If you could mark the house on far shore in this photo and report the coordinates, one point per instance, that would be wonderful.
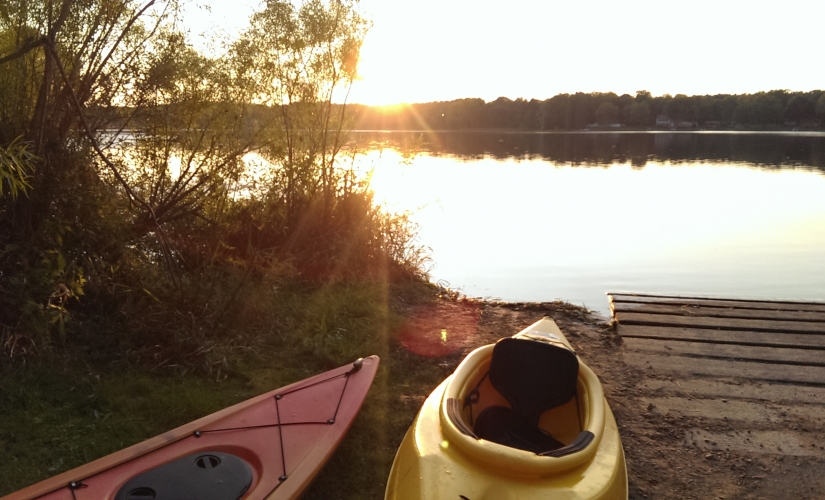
(664, 121)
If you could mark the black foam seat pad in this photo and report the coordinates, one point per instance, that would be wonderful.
(502, 425)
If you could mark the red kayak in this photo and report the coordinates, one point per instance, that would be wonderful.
(270, 446)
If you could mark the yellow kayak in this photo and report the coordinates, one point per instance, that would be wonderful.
(520, 419)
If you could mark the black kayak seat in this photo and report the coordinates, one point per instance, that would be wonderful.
(533, 376)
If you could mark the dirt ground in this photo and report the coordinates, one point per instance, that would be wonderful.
(670, 454)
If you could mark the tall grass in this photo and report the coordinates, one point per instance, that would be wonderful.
(64, 408)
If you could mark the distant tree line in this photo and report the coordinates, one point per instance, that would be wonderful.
(768, 110)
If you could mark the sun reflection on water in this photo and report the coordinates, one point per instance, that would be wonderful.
(521, 229)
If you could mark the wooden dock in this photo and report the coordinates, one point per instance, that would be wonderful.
(759, 340)
(758, 363)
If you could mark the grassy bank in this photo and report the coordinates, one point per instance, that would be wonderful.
(72, 405)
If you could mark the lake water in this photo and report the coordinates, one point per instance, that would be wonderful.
(571, 216)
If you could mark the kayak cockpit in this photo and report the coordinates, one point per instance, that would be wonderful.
(525, 404)
(533, 375)
(561, 443)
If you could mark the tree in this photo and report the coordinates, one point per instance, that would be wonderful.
(820, 107)
(194, 130)
(174, 200)
(582, 110)
(681, 108)
(800, 108)
(637, 114)
(464, 113)
(758, 109)
(607, 113)
(296, 60)
(62, 60)
(717, 108)
(64, 66)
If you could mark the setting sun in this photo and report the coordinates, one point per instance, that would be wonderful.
(433, 51)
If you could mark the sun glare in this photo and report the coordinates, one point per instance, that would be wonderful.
(432, 50)
(620, 205)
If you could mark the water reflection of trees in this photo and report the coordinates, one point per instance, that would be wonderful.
(603, 149)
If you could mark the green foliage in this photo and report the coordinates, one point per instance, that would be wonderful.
(637, 114)
(801, 108)
(297, 59)
(340, 322)
(681, 108)
(16, 165)
(607, 113)
(192, 135)
(761, 108)
(35, 299)
(820, 107)
(61, 50)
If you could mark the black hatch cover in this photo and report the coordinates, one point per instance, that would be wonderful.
(209, 475)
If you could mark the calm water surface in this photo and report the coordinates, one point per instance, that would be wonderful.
(538, 217)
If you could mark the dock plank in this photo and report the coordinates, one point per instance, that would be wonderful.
(767, 339)
(725, 388)
(749, 411)
(718, 312)
(680, 366)
(719, 323)
(787, 443)
(788, 356)
(719, 302)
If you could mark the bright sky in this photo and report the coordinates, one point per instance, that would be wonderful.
(431, 50)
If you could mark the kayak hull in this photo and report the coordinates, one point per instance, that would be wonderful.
(284, 437)
(435, 460)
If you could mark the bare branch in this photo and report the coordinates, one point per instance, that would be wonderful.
(27, 47)
(167, 251)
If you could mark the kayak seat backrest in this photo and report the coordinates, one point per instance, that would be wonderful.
(534, 377)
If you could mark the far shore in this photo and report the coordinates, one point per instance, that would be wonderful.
(609, 130)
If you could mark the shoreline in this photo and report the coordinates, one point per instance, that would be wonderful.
(661, 462)
(436, 334)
